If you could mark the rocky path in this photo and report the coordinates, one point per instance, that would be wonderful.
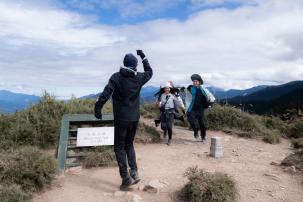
(249, 162)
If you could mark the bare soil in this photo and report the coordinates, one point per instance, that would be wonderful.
(251, 163)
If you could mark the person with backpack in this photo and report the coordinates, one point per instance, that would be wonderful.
(124, 87)
(168, 103)
(201, 99)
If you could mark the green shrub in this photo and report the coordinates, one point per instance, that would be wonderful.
(273, 123)
(297, 143)
(219, 118)
(27, 167)
(272, 138)
(296, 129)
(147, 134)
(101, 156)
(208, 187)
(13, 193)
(295, 159)
(235, 121)
(149, 110)
(39, 124)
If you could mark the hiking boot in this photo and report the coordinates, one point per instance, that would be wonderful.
(134, 175)
(168, 142)
(126, 183)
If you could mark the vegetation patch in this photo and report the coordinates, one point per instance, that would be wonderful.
(295, 129)
(208, 187)
(13, 193)
(295, 159)
(101, 156)
(149, 111)
(297, 143)
(147, 134)
(27, 167)
(235, 121)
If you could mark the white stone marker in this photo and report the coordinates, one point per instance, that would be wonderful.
(216, 147)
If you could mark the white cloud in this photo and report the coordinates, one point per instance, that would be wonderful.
(66, 53)
(52, 27)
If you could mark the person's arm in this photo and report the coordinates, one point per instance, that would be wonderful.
(104, 96)
(148, 72)
(179, 102)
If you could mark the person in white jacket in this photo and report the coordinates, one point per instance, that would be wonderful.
(167, 104)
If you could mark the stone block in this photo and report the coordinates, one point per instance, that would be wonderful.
(216, 147)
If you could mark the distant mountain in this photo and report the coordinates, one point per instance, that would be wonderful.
(220, 94)
(272, 99)
(90, 96)
(147, 93)
(11, 102)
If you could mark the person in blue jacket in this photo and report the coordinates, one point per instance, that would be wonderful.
(195, 111)
(124, 87)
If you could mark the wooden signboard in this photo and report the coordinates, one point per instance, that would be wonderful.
(79, 133)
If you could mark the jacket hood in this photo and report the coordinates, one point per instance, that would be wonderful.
(127, 72)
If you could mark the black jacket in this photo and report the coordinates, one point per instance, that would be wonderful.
(124, 87)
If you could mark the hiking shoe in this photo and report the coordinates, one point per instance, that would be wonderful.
(168, 142)
(196, 134)
(126, 183)
(204, 141)
(135, 176)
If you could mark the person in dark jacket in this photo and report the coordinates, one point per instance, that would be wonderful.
(124, 87)
(195, 110)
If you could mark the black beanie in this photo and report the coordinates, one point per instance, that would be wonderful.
(130, 61)
(196, 77)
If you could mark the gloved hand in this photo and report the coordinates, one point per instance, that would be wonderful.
(141, 54)
(98, 114)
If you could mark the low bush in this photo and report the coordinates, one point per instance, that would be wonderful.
(27, 167)
(13, 193)
(147, 134)
(101, 156)
(295, 159)
(272, 137)
(235, 121)
(149, 110)
(207, 187)
(219, 117)
(39, 124)
(297, 143)
(296, 129)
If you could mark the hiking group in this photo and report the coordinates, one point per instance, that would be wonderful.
(124, 87)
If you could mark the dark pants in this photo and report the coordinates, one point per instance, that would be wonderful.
(199, 116)
(125, 132)
(167, 120)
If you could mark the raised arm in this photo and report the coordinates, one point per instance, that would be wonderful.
(148, 72)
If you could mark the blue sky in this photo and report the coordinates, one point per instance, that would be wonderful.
(71, 47)
(117, 14)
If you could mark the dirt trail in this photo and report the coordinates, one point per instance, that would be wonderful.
(247, 161)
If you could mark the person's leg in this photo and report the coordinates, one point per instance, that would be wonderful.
(119, 148)
(163, 124)
(130, 150)
(202, 125)
(170, 122)
(191, 116)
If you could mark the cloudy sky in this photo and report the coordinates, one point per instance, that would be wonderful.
(71, 47)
